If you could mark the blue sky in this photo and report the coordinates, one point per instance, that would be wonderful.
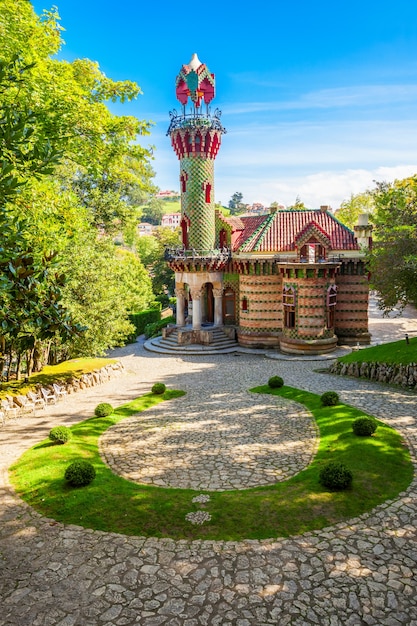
(319, 99)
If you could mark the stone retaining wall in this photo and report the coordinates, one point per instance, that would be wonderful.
(403, 375)
(91, 379)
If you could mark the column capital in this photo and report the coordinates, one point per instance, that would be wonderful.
(217, 292)
(195, 293)
(180, 292)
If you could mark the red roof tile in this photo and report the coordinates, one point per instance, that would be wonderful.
(279, 231)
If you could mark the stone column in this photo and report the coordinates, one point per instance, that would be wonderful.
(196, 297)
(180, 294)
(218, 306)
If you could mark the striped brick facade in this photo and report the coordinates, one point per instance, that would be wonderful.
(351, 316)
(260, 310)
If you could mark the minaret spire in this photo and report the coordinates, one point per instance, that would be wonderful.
(196, 138)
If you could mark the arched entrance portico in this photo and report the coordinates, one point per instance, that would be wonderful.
(205, 291)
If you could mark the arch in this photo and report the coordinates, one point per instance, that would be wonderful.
(208, 303)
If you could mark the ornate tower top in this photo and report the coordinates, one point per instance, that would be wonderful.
(196, 82)
(196, 137)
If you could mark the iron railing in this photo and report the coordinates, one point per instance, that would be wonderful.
(181, 254)
(197, 119)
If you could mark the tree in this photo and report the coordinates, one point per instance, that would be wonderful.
(298, 205)
(393, 258)
(54, 112)
(235, 203)
(151, 251)
(356, 205)
(103, 285)
(153, 211)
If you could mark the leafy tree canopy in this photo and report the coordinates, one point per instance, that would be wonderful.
(71, 175)
(393, 259)
(235, 203)
(356, 205)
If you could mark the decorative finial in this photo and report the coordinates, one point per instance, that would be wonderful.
(195, 62)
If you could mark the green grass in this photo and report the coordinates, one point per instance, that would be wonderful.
(74, 368)
(396, 352)
(381, 467)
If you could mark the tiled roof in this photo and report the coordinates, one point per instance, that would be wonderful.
(279, 231)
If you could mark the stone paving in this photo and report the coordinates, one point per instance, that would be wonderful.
(229, 441)
(362, 571)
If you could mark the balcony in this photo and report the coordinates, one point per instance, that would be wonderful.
(196, 120)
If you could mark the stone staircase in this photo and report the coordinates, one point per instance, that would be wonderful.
(220, 343)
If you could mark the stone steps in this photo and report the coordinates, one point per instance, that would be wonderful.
(221, 344)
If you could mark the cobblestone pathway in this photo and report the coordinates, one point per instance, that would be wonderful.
(359, 572)
(228, 441)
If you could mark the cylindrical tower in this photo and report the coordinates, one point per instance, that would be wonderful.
(196, 138)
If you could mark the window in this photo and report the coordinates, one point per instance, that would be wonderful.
(288, 301)
(331, 305)
(244, 304)
(184, 177)
(208, 192)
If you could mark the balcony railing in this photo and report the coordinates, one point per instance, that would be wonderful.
(181, 254)
(205, 121)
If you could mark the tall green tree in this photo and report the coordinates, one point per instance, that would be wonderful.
(53, 112)
(235, 203)
(357, 204)
(393, 259)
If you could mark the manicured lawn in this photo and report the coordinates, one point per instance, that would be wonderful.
(398, 352)
(74, 368)
(381, 467)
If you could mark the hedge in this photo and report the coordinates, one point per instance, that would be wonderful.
(141, 319)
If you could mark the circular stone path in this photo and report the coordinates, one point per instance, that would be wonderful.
(233, 441)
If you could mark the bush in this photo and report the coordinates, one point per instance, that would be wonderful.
(275, 382)
(60, 434)
(141, 319)
(329, 398)
(153, 330)
(80, 473)
(364, 426)
(103, 409)
(335, 476)
(158, 388)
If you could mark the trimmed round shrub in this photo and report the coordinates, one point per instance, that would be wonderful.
(158, 388)
(364, 426)
(329, 398)
(335, 476)
(275, 382)
(60, 434)
(103, 409)
(80, 473)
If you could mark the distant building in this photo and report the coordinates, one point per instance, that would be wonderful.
(165, 195)
(171, 220)
(145, 228)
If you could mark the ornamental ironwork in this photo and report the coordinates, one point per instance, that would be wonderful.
(197, 120)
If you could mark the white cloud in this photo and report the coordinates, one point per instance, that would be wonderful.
(352, 96)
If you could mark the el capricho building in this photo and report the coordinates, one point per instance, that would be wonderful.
(292, 280)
